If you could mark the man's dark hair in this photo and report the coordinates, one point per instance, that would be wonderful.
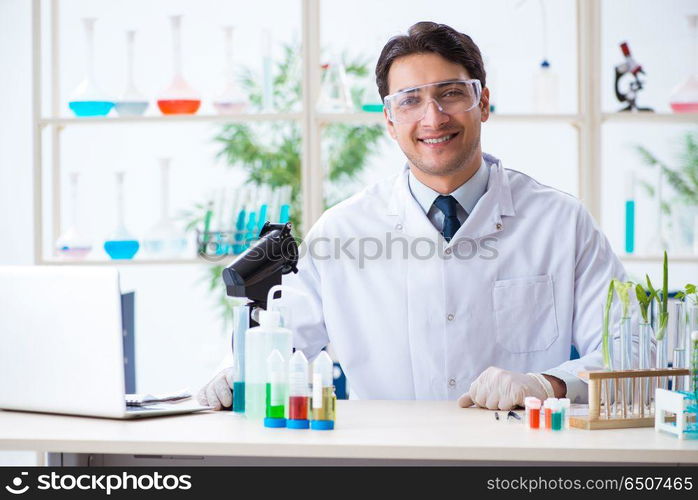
(425, 37)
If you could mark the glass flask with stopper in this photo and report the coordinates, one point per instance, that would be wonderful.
(179, 98)
(229, 99)
(164, 239)
(88, 99)
(132, 102)
(121, 244)
(72, 244)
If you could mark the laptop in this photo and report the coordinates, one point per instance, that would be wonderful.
(61, 348)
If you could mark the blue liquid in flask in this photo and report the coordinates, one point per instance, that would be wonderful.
(131, 108)
(91, 108)
(121, 249)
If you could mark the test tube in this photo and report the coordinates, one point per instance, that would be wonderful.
(241, 320)
(323, 393)
(565, 402)
(548, 413)
(556, 423)
(277, 388)
(532, 406)
(298, 392)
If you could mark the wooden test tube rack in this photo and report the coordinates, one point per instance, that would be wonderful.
(623, 398)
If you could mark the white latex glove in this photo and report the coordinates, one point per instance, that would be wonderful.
(499, 389)
(218, 393)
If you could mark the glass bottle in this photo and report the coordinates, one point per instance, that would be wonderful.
(120, 244)
(229, 99)
(545, 89)
(164, 239)
(678, 341)
(88, 99)
(335, 96)
(132, 102)
(267, 82)
(179, 98)
(71, 244)
(684, 97)
(645, 360)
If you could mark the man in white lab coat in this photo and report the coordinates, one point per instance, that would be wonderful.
(456, 278)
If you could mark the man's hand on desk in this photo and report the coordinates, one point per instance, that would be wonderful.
(499, 389)
(218, 392)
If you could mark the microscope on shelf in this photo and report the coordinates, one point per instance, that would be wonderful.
(631, 68)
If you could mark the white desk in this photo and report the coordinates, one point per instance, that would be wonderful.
(366, 432)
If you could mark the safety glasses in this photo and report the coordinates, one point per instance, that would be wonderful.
(451, 97)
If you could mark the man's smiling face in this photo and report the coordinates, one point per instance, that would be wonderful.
(438, 144)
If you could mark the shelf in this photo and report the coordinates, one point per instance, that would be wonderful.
(321, 118)
(358, 118)
(533, 117)
(235, 118)
(133, 262)
(644, 117)
(691, 259)
(378, 119)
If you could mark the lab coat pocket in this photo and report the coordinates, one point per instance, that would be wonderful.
(524, 310)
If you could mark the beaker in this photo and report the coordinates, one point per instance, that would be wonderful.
(371, 101)
(88, 99)
(164, 239)
(71, 244)
(229, 99)
(179, 98)
(334, 91)
(132, 102)
(120, 244)
(684, 97)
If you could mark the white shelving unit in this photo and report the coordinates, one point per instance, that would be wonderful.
(587, 123)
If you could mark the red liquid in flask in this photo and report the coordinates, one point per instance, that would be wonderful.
(179, 106)
(298, 408)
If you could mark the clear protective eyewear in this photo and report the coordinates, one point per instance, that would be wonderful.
(451, 97)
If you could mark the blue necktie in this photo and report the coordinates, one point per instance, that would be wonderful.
(448, 204)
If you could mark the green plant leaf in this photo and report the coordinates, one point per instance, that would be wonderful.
(605, 340)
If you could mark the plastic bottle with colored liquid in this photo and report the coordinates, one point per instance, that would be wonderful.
(298, 400)
(260, 341)
(324, 399)
(276, 391)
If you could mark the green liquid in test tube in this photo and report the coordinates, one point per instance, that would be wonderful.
(557, 420)
(276, 390)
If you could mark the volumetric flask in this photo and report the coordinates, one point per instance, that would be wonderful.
(229, 99)
(179, 98)
(72, 244)
(132, 102)
(88, 99)
(120, 244)
(165, 239)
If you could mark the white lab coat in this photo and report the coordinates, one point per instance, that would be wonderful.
(419, 327)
